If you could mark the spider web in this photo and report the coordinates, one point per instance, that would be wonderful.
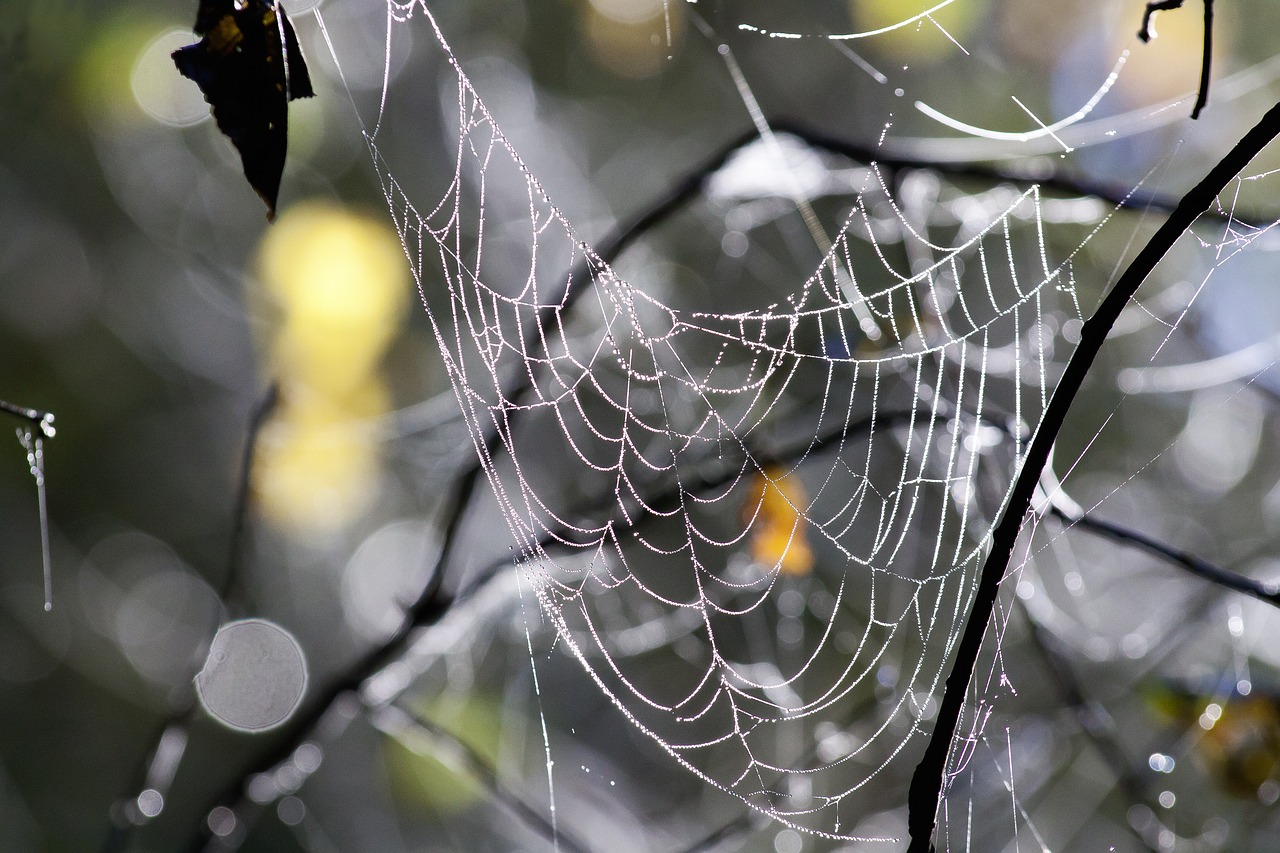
(753, 503)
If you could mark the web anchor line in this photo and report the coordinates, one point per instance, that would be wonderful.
(928, 780)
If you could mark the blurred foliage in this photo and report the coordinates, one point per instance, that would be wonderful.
(1236, 737)
(424, 777)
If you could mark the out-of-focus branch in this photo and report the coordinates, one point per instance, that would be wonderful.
(435, 600)
(452, 750)
(158, 766)
(436, 603)
(886, 157)
(1094, 721)
(240, 511)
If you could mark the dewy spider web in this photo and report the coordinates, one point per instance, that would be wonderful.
(754, 515)
(645, 445)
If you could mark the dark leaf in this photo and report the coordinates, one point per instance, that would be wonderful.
(248, 73)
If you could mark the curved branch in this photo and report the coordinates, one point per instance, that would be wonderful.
(926, 783)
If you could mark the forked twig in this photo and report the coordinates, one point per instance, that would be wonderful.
(1147, 33)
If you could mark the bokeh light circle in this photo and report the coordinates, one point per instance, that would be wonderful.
(160, 91)
(255, 675)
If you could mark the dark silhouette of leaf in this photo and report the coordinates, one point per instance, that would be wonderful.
(248, 72)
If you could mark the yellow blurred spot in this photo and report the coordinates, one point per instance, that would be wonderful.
(340, 283)
(317, 463)
(631, 38)
(775, 500)
(930, 39)
(338, 287)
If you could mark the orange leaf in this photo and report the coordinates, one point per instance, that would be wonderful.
(774, 506)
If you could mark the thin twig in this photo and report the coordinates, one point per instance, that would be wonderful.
(33, 443)
(1206, 60)
(1201, 568)
(1147, 32)
(927, 782)
(44, 420)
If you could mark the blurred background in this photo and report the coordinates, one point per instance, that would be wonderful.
(146, 301)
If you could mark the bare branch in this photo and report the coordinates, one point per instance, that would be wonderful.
(927, 782)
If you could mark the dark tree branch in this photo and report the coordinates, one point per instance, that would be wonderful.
(1145, 32)
(1206, 60)
(927, 782)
